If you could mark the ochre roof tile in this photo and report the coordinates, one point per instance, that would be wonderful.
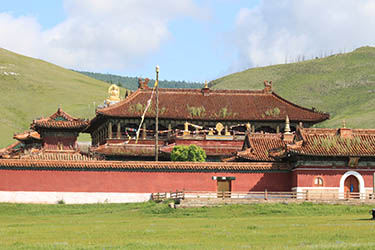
(60, 120)
(259, 146)
(142, 166)
(191, 104)
(333, 142)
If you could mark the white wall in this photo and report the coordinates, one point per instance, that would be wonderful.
(71, 197)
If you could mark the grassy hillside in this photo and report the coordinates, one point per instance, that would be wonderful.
(32, 88)
(342, 84)
(131, 83)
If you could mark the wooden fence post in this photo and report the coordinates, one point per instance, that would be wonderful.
(265, 194)
(307, 195)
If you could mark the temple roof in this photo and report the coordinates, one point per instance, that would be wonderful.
(206, 104)
(27, 135)
(142, 166)
(333, 142)
(257, 146)
(60, 120)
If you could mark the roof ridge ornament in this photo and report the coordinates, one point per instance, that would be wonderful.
(206, 89)
(287, 136)
(287, 125)
(267, 86)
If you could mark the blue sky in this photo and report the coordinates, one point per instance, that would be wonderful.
(190, 40)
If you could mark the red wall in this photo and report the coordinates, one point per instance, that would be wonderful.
(50, 142)
(137, 182)
(331, 178)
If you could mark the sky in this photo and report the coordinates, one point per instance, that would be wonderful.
(191, 40)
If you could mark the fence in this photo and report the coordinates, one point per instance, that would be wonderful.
(266, 195)
(178, 195)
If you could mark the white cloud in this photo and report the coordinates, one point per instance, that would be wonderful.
(277, 30)
(97, 35)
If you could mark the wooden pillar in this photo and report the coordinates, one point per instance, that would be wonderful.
(144, 131)
(118, 130)
(169, 130)
(278, 129)
(109, 130)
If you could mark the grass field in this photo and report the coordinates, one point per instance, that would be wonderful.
(156, 226)
(342, 84)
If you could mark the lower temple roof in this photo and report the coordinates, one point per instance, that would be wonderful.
(141, 166)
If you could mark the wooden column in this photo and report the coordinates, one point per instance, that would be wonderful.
(169, 130)
(109, 130)
(118, 130)
(144, 131)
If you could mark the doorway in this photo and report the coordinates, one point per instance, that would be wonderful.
(351, 185)
(224, 187)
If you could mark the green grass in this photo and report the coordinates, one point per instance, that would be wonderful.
(342, 84)
(38, 89)
(156, 226)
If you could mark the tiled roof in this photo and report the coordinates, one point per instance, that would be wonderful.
(212, 147)
(125, 149)
(192, 104)
(333, 142)
(60, 120)
(143, 166)
(7, 150)
(27, 135)
(58, 157)
(257, 146)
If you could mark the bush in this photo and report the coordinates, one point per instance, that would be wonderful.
(188, 153)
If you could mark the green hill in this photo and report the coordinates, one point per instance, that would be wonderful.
(341, 84)
(32, 88)
(131, 83)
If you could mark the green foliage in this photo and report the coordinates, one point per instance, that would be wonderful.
(197, 111)
(273, 112)
(224, 112)
(132, 82)
(188, 153)
(140, 108)
(61, 202)
(341, 84)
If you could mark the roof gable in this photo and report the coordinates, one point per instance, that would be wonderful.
(257, 146)
(59, 120)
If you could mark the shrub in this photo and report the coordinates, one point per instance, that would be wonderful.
(188, 153)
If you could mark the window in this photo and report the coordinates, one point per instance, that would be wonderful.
(318, 181)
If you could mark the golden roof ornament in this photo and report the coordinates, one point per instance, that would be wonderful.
(205, 84)
(287, 125)
(219, 127)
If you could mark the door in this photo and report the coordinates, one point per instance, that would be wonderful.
(351, 185)
(224, 188)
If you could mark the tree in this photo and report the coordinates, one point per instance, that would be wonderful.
(188, 153)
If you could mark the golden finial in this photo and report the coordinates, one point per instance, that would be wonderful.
(343, 123)
(205, 84)
(287, 125)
